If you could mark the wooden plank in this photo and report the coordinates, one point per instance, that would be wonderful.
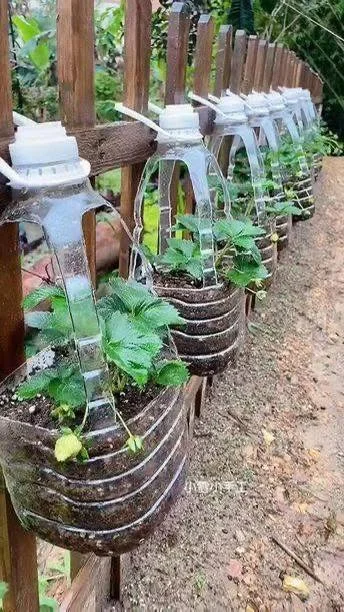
(75, 62)
(88, 591)
(223, 59)
(177, 53)
(238, 60)
(203, 55)
(276, 70)
(18, 560)
(250, 65)
(177, 57)
(269, 64)
(260, 65)
(137, 42)
(283, 67)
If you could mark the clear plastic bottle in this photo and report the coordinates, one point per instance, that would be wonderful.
(213, 309)
(231, 124)
(180, 141)
(51, 188)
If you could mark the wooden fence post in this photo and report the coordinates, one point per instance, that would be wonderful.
(18, 560)
(75, 62)
(250, 65)
(269, 64)
(137, 42)
(203, 55)
(260, 65)
(238, 60)
(223, 59)
(276, 69)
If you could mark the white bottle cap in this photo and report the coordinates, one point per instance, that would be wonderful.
(43, 143)
(232, 106)
(179, 117)
(43, 155)
(275, 101)
(256, 104)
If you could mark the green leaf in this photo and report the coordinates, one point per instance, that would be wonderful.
(40, 56)
(37, 383)
(68, 446)
(69, 390)
(44, 292)
(134, 443)
(194, 268)
(186, 247)
(131, 349)
(27, 28)
(245, 272)
(172, 373)
(39, 319)
(3, 589)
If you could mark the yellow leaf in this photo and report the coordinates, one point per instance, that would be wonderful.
(268, 437)
(274, 237)
(314, 453)
(301, 507)
(67, 446)
(291, 584)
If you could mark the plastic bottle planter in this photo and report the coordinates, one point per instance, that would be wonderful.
(214, 312)
(283, 115)
(112, 501)
(231, 122)
(300, 103)
(215, 321)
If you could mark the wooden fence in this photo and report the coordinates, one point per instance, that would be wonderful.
(241, 63)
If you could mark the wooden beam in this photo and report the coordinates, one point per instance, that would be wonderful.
(203, 55)
(18, 559)
(238, 60)
(223, 59)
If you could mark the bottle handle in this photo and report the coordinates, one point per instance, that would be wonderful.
(139, 117)
(206, 102)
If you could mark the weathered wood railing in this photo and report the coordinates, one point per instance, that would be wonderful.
(250, 64)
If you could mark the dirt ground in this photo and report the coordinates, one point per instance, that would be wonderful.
(267, 458)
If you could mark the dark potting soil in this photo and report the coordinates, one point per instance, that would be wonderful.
(38, 410)
(175, 280)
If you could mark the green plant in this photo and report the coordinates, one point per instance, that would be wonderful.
(238, 258)
(306, 28)
(241, 15)
(3, 591)
(46, 603)
(182, 256)
(134, 326)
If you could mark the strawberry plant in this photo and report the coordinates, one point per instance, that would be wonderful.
(238, 259)
(135, 326)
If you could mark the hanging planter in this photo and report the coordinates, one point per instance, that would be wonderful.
(111, 501)
(213, 335)
(201, 261)
(93, 432)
